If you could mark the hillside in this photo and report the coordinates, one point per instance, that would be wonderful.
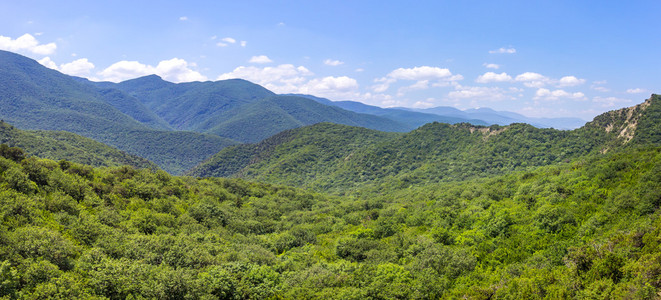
(440, 152)
(37, 98)
(585, 229)
(238, 109)
(62, 145)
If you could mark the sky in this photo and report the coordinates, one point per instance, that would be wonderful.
(538, 58)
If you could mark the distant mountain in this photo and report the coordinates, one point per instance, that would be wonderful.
(505, 117)
(59, 145)
(35, 97)
(431, 153)
(446, 114)
(411, 118)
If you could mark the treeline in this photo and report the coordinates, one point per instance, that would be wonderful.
(584, 229)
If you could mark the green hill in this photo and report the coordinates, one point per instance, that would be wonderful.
(589, 228)
(436, 152)
(59, 145)
(238, 109)
(35, 97)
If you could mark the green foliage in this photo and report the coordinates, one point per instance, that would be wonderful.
(589, 228)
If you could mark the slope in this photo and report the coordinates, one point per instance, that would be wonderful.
(58, 145)
(444, 152)
(35, 97)
(584, 230)
(266, 117)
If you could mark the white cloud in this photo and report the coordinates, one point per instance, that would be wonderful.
(183, 18)
(569, 81)
(425, 104)
(491, 66)
(287, 78)
(280, 79)
(609, 102)
(417, 74)
(333, 63)
(504, 51)
(479, 93)
(175, 70)
(261, 59)
(360, 70)
(531, 79)
(493, 77)
(26, 42)
(229, 40)
(221, 44)
(636, 91)
(536, 80)
(342, 87)
(419, 85)
(243, 43)
(546, 94)
(48, 63)
(80, 67)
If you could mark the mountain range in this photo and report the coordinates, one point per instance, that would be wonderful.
(177, 126)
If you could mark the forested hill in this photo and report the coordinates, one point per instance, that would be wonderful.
(589, 229)
(59, 145)
(434, 152)
(37, 98)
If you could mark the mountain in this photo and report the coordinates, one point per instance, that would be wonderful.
(237, 109)
(59, 145)
(411, 118)
(35, 97)
(491, 116)
(446, 114)
(434, 152)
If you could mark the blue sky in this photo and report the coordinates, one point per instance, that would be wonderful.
(538, 58)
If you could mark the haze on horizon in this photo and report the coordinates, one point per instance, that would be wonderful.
(542, 59)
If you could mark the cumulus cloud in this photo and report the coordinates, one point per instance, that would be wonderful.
(546, 94)
(80, 67)
(569, 81)
(280, 79)
(48, 63)
(503, 51)
(536, 80)
(418, 74)
(493, 77)
(491, 66)
(287, 78)
(333, 63)
(636, 91)
(28, 43)
(243, 43)
(260, 59)
(331, 87)
(531, 79)
(479, 93)
(175, 70)
(183, 18)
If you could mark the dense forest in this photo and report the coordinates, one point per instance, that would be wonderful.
(588, 228)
